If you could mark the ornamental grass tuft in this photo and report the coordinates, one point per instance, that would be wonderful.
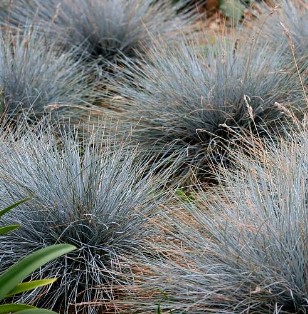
(36, 78)
(194, 101)
(243, 247)
(285, 25)
(90, 196)
(101, 30)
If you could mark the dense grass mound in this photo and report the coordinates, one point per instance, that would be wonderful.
(243, 249)
(35, 77)
(102, 30)
(194, 101)
(286, 27)
(94, 198)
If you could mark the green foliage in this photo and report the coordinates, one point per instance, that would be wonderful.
(9, 228)
(9, 208)
(30, 285)
(158, 310)
(8, 308)
(19, 271)
(184, 196)
(1, 102)
(11, 278)
(233, 9)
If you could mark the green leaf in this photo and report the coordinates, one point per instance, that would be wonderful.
(23, 268)
(187, 198)
(234, 9)
(37, 311)
(7, 229)
(30, 285)
(7, 209)
(23, 309)
(1, 99)
(8, 308)
(158, 310)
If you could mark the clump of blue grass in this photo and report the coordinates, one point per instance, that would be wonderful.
(35, 77)
(286, 27)
(286, 22)
(102, 30)
(19, 13)
(192, 101)
(243, 248)
(88, 195)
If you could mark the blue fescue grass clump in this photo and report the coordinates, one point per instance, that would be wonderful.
(285, 26)
(193, 100)
(17, 14)
(243, 247)
(97, 199)
(102, 30)
(35, 77)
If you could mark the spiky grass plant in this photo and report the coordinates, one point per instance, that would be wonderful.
(286, 21)
(102, 30)
(97, 199)
(35, 77)
(286, 27)
(193, 101)
(241, 249)
(19, 13)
